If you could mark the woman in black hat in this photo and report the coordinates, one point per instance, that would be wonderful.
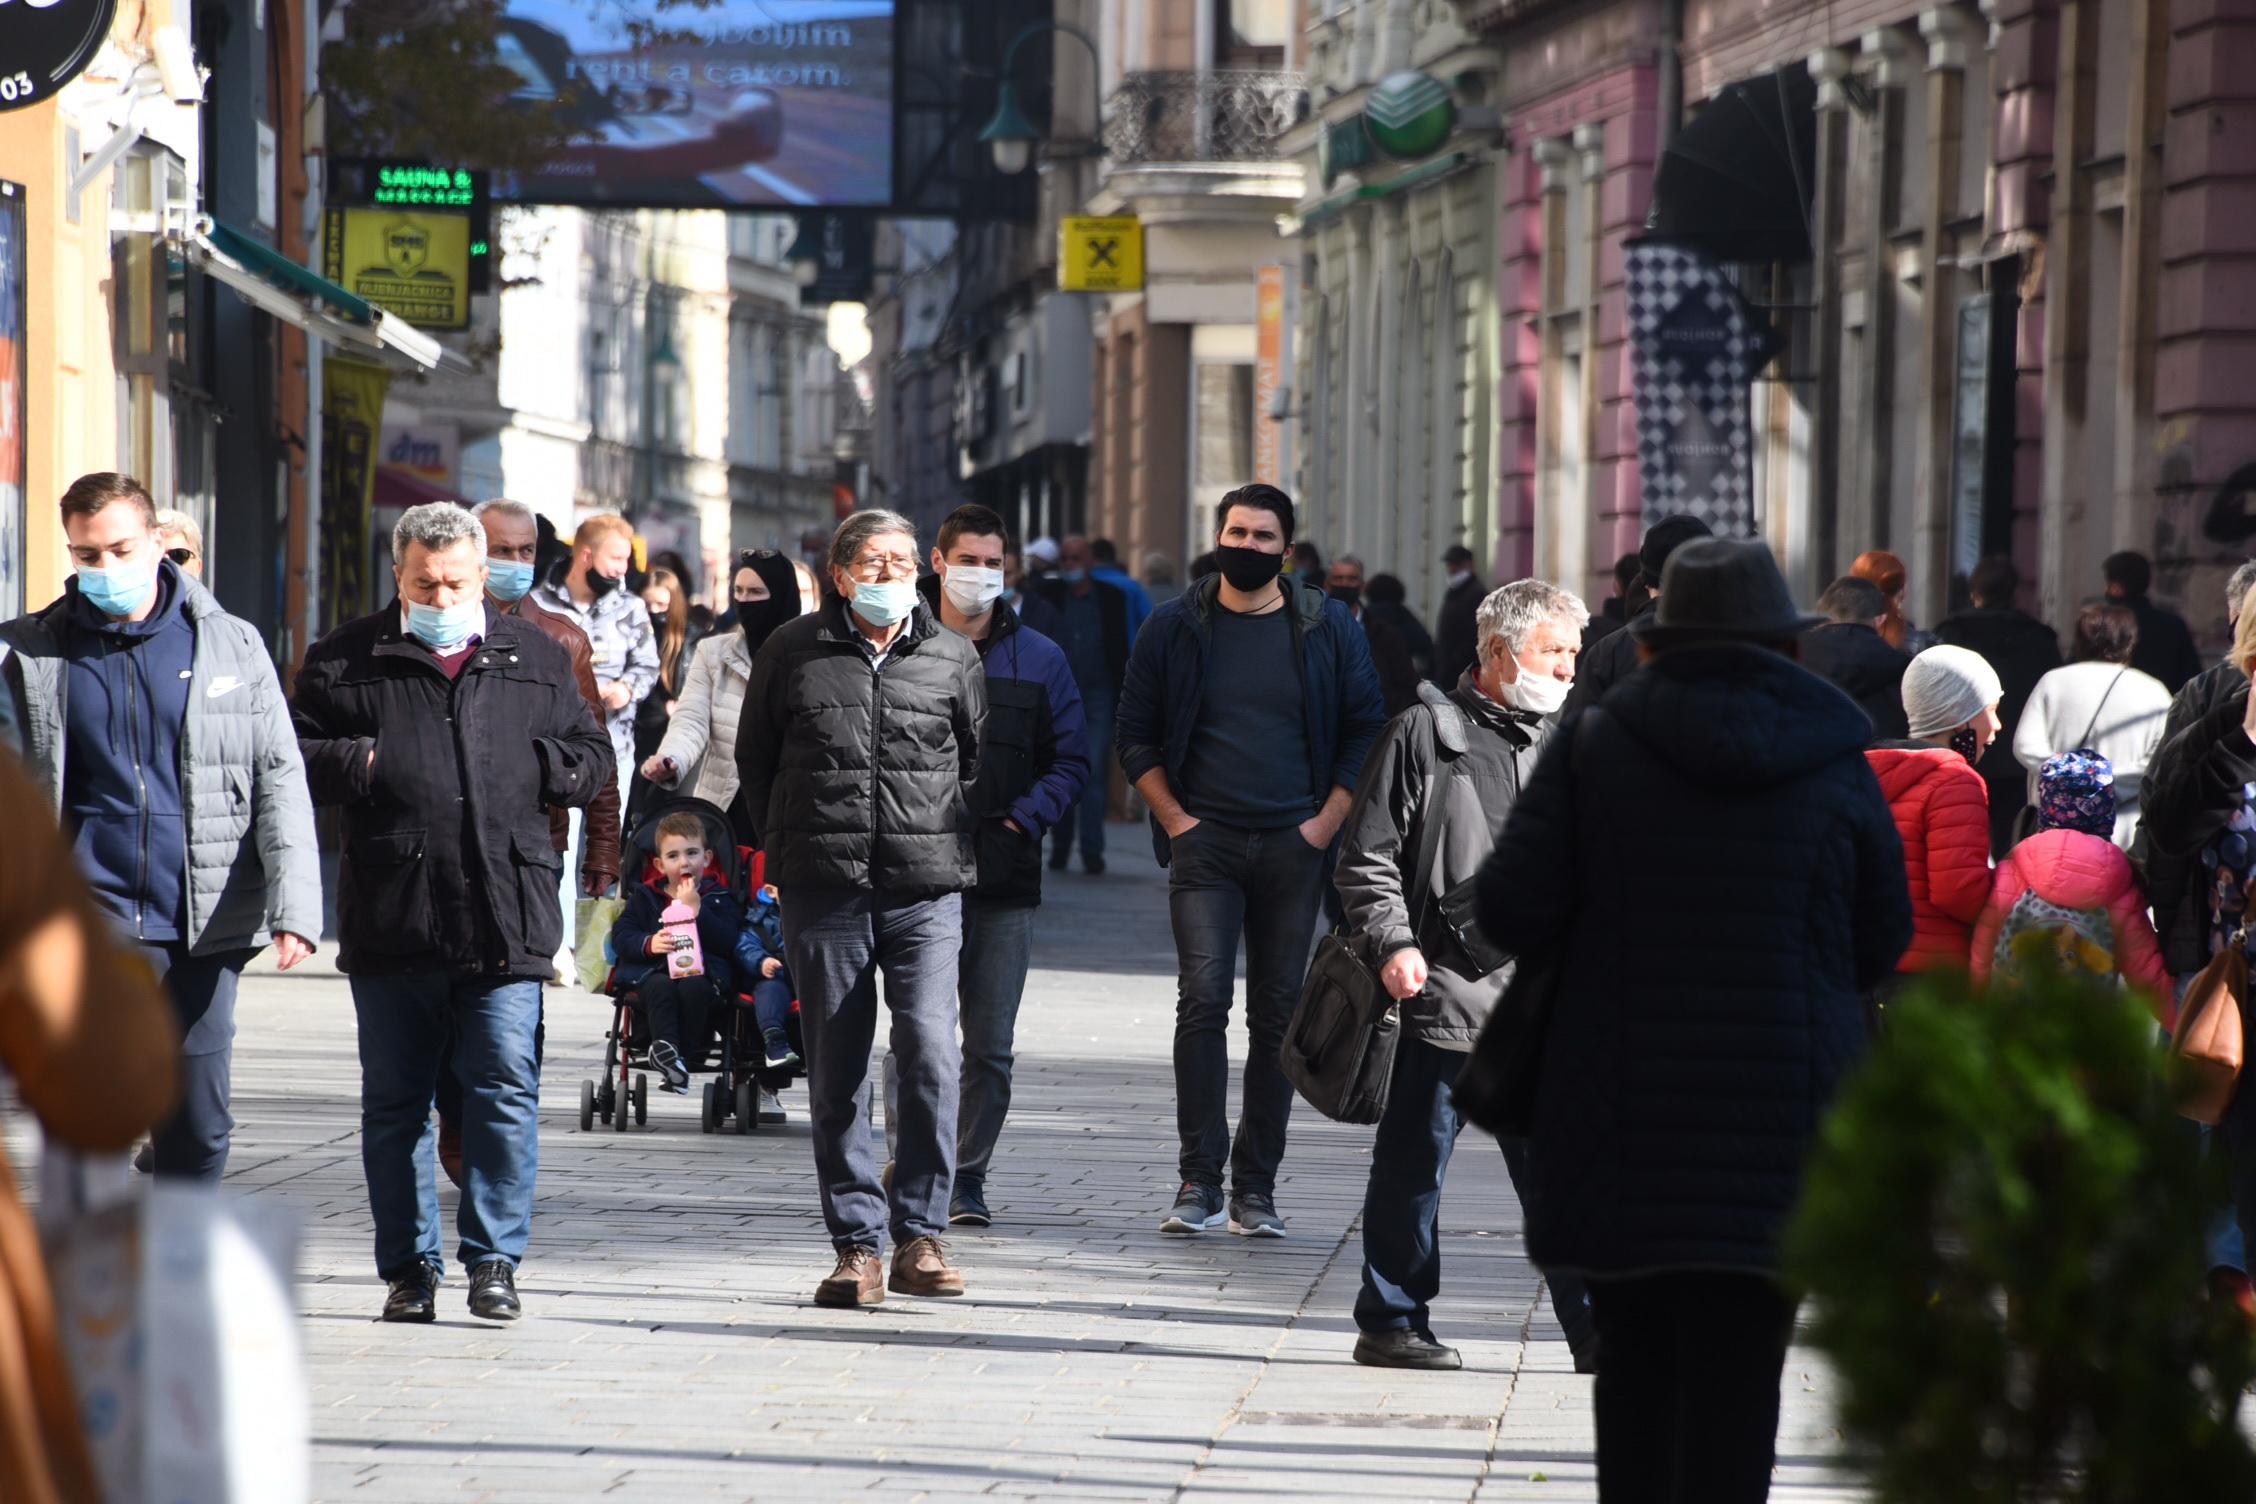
(1706, 1003)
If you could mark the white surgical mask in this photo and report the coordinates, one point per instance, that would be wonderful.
(972, 589)
(1537, 694)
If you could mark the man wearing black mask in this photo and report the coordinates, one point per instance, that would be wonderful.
(1390, 654)
(1249, 705)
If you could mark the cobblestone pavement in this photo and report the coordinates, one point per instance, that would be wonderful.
(669, 1352)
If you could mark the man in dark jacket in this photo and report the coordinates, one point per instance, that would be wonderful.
(446, 729)
(1034, 759)
(1250, 706)
(2165, 643)
(1390, 654)
(1440, 781)
(1614, 615)
(1384, 598)
(858, 747)
(2022, 650)
(1706, 1004)
(1095, 623)
(1614, 658)
(1849, 653)
(156, 725)
(1456, 635)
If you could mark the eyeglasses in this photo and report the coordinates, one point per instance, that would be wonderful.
(181, 556)
(874, 567)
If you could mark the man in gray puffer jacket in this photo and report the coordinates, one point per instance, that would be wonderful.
(1438, 786)
(156, 723)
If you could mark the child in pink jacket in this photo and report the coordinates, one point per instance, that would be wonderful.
(2068, 894)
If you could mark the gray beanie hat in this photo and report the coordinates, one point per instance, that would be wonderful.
(1945, 688)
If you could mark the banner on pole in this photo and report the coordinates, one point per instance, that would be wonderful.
(1695, 347)
(352, 418)
(1268, 375)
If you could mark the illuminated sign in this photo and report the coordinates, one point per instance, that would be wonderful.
(424, 187)
(412, 262)
(389, 182)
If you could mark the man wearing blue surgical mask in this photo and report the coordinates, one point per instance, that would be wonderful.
(156, 723)
(858, 749)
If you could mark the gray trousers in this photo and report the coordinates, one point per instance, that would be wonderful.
(997, 946)
(839, 942)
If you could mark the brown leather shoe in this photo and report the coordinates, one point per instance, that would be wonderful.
(859, 1280)
(921, 1267)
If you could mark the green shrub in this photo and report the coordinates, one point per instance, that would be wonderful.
(2003, 1235)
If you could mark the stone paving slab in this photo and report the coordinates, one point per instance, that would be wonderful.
(669, 1355)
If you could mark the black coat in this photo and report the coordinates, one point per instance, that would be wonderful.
(2022, 650)
(1112, 606)
(1411, 630)
(448, 865)
(1857, 660)
(861, 777)
(1608, 661)
(2173, 879)
(1708, 995)
(1457, 631)
(2165, 644)
(1397, 670)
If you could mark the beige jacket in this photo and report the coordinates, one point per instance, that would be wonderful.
(701, 738)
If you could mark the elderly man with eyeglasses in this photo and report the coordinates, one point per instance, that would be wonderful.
(858, 746)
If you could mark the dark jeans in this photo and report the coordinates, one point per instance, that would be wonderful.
(998, 942)
(1687, 1396)
(1088, 812)
(771, 1001)
(1224, 882)
(681, 1012)
(1402, 1204)
(406, 1023)
(840, 940)
(192, 1143)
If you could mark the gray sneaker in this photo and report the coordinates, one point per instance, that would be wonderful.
(1197, 1208)
(1253, 1215)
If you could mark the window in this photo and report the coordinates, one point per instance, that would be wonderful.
(1252, 34)
(1225, 425)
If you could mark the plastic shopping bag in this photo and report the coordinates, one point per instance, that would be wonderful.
(591, 940)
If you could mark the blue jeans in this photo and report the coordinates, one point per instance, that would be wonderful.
(997, 945)
(406, 1023)
(1088, 812)
(771, 1002)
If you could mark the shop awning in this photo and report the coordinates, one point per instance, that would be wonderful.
(273, 283)
(1736, 181)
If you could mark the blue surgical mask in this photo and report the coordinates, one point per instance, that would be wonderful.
(881, 603)
(119, 590)
(1073, 576)
(445, 628)
(509, 581)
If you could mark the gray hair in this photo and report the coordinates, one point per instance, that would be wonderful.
(1339, 559)
(507, 508)
(1513, 612)
(859, 528)
(437, 525)
(2236, 589)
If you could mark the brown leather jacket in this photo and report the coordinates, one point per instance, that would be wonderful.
(601, 858)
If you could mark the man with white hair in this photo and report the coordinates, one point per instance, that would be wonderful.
(1433, 798)
(445, 728)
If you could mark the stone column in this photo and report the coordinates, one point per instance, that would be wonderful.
(2067, 290)
(1555, 163)
(1830, 67)
(1951, 34)
(1870, 522)
(1590, 152)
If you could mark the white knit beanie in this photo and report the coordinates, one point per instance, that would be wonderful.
(1945, 688)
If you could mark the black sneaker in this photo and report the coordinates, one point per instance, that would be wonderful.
(493, 1291)
(1253, 1215)
(1405, 1349)
(1197, 1208)
(968, 1208)
(413, 1296)
(780, 1056)
(1093, 865)
(675, 1076)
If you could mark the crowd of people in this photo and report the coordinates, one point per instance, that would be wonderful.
(1531, 795)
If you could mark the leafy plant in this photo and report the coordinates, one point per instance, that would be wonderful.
(2003, 1234)
(424, 79)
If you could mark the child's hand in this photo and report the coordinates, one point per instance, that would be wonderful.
(768, 892)
(770, 967)
(685, 892)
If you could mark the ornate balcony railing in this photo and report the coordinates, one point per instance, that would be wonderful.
(1202, 117)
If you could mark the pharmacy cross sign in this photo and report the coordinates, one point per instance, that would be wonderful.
(1098, 253)
(44, 44)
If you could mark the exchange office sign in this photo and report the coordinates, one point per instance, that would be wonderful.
(44, 44)
(412, 262)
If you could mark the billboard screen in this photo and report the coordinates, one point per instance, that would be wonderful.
(674, 104)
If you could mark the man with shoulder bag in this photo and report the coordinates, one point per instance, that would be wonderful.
(1459, 760)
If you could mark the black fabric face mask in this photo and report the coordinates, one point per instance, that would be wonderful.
(1247, 569)
(759, 618)
(1346, 595)
(601, 584)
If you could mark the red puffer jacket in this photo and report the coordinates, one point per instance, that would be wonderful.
(1942, 810)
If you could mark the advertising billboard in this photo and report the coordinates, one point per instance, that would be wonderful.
(736, 103)
(412, 262)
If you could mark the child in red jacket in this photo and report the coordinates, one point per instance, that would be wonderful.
(1940, 803)
(2067, 898)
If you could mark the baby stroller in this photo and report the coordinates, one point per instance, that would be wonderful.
(740, 1073)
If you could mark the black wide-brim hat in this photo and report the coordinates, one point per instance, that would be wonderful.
(1721, 590)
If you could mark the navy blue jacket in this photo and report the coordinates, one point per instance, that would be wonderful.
(1340, 699)
(721, 931)
(126, 700)
(1708, 993)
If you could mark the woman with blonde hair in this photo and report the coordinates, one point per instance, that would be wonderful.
(668, 600)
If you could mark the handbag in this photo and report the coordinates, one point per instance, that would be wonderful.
(2206, 1047)
(593, 919)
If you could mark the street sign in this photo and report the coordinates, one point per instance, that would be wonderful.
(44, 44)
(396, 182)
(412, 262)
(1101, 255)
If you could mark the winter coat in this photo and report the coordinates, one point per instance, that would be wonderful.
(1942, 815)
(1034, 756)
(1380, 839)
(1857, 660)
(1707, 998)
(447, 863)
(720, 933)
(1341, 706)
(2022, 650)
(861, 775)
(1390, 658)
(253, 864)
(1456, 632)
(1139, 599)
(2164, 649)
(2173, 882)
(2197, 782)
(1117, 612)
(1406, 625)
(700, 741)
(2072, 870)
(2116, 710)
(599, 845)
(1610, 660)
(626, 650)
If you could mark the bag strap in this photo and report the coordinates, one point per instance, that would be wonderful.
(2099, 710)
(1450, 746)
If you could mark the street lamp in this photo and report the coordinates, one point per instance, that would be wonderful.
(805, 256)
(1009, 134)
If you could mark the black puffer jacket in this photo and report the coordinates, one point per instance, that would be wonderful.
(857, 776)
(2173, 879)
(448, 864)
(1611, 659)
(1708, 995)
